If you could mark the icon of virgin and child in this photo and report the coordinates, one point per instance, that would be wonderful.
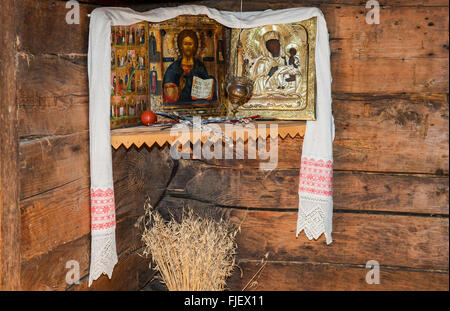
(277, 70)
(187, 77)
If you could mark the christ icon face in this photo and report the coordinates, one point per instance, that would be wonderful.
(188, 47)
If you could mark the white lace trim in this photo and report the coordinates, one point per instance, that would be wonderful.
(315, 217)
(103, 255)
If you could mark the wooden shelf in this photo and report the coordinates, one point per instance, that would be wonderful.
(150, 135)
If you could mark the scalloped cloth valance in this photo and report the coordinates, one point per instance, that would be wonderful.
(316, 172)
(149, 136)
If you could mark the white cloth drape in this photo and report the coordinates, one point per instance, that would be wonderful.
(315, 187)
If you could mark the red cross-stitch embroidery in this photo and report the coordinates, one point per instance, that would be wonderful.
(316, 177)
(103, 209)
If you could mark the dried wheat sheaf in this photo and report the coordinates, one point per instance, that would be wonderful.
(193, 254)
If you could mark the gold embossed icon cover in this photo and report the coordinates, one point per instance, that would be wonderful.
(280, 61)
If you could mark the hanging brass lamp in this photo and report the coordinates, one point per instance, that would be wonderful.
(239, 87)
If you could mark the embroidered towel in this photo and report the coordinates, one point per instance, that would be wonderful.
(315, 188)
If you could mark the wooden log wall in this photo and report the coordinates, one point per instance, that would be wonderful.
(52, 98)
(9, 145)
(390, 103)
(53, 158)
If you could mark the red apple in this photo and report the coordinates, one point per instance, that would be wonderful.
(148, 117)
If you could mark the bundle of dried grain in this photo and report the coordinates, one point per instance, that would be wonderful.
(194, 254)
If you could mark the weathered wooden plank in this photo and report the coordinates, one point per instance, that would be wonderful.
(234, 186)
(48, 116)
(9, 151)
(51, 162)
(379, 134)
(50, 76)
(139, 174)
(402, 241)
(48, 271)
(394, 193)
(356, 191)
(289, 155)
(231, 5)
(131, 273)
(54, 218)
(285, 276)
(42, 28)
(403, 33)
(52, 85)
(381, 76)
(132, 270)
(392, 134)
(392, 240)
(128, 235)
(408, 50)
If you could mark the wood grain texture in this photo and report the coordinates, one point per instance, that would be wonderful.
(235, 186)
(54, 218)
(50, 162)
(400, 193)
(49, 76)
(353, 191)
(378, 133)
(49, 116)
(393, 240)
(131, 273)
(9, 151)
(400, 241)
(293, 276)
(52, 95)
(140, 174)
(407, 51)
(381, 76)
(42, 28)
(48, 271)
(403, 33)
(232, 5)
(400, 134)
